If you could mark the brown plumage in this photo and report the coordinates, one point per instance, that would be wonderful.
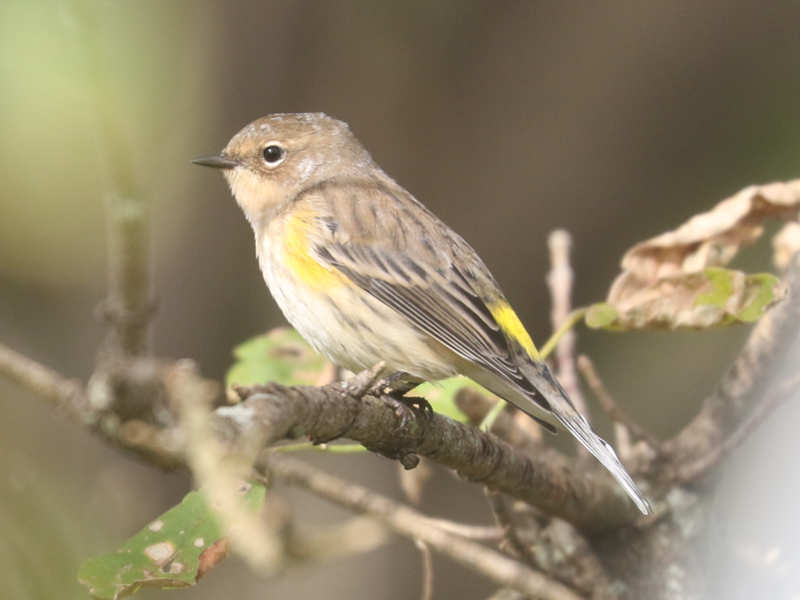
(366, 273)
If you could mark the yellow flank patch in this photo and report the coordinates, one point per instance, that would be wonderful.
(509, 322)
(297, 255)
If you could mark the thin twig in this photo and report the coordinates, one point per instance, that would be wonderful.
(427, 569)
(621, 419)
(221, 476)
(315, 544)
(65, 394)
(559, 282)
(468, 532)
(408, 522)
(551, 546)
(502, 513)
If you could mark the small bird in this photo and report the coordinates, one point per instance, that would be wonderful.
(366, 273)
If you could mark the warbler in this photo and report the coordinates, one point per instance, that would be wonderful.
(366, 273)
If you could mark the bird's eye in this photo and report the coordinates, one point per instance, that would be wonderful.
(273, 154)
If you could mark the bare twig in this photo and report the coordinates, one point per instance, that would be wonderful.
(333, 542)
(409, 522)
(551, 546)
(427, 569)
(128, 305)
(468, 532)
(559, 282)
(624, 424)
(507, 594)
(66, 394)
(502, 513)
(221, 476)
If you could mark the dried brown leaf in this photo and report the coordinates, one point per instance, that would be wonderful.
(710, 239)
(674, 279)
(785, 244)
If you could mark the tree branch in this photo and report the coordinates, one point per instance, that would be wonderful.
(65, 394)
(743, 387)
(559, 282)
(589, 500)
(409, 522)
(128, 305)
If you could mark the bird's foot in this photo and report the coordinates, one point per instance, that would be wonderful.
(409, 407)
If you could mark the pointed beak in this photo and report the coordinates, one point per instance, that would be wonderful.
(216, 162)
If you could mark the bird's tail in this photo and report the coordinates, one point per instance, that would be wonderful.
(562, 411)
(577, 425)
(547, 402)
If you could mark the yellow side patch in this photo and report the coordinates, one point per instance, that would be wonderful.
(297, 255)
(511, 325)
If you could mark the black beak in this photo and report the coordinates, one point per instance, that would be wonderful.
(217, 162)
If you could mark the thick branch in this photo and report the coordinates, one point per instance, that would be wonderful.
(743, 387)
(588, 500)
(409, 522)
(128, 306)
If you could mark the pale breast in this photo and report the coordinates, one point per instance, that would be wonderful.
(339, 320)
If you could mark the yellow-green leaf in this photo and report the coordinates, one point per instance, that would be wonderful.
(441, 395)
(722, 288)
(762, 293)
(280, 356)
(600, 315)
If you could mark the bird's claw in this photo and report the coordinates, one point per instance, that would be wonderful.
(407, 407)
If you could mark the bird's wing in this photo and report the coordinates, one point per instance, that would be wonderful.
(454, 301)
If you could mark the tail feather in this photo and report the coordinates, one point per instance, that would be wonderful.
(603, 452)
(548, 403)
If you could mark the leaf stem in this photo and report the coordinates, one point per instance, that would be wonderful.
(572, 319)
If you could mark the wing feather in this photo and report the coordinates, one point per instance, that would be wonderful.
(381, 239)
(440, 302)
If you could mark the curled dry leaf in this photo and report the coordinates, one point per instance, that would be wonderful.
(676, 280)
(785, 244)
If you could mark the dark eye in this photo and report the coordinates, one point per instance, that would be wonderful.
(273, 154)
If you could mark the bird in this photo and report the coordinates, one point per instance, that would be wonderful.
(367, 274)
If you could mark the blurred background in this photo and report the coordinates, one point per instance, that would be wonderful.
(616, 121)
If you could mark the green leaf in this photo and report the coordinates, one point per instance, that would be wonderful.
(441, 395)
(168, 553)
(600, 315)
(762, 293)
(280, 356)
(722, 288)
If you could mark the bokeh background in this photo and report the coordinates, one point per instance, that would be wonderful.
(614, 120)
